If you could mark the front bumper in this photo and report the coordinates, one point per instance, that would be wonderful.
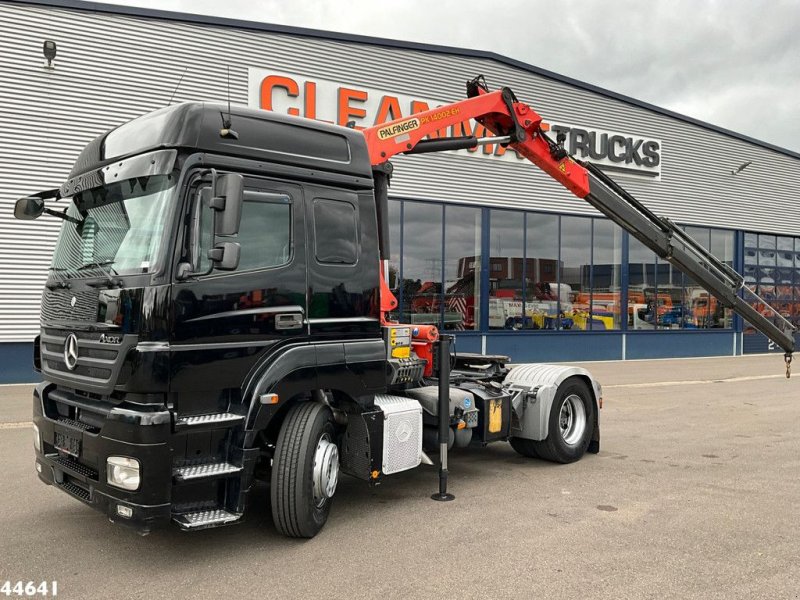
(82, 472)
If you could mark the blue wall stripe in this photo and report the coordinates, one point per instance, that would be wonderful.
(679, 344)
(17, 361)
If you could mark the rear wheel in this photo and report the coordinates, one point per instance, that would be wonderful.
(305, 470)
(570, 426)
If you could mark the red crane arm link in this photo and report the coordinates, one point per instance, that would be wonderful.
(491, 110)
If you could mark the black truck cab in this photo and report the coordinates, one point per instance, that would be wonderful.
(170, 346)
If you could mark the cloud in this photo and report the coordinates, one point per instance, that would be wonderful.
(733, 63)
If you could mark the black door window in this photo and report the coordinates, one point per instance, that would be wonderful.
(335, 232)
(264, 234)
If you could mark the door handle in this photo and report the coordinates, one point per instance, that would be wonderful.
(285, 321)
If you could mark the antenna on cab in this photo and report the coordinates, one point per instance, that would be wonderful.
(226, 132)
(180, 80)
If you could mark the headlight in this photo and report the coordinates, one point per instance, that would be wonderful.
(37, 439)
(123, 472)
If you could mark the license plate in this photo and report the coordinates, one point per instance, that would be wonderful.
(69, 444)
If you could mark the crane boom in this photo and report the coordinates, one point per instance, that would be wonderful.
(519, 126)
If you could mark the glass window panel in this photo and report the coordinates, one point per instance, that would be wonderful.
(462, 268)
(507, 252)
(750, 276)
(784, 276)
(795, 312)
(421, 287)
(785, 254)
(641, 286)
(335, 232)
(394, 250)
(606, 269)
(541, 273)
(750, 266)
(669, 296)
(766, 257)
(766, 242)
(575, 267)
(264, 233)
(722, 246)
(694, 311)
(766, 273)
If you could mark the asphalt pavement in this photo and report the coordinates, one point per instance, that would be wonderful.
(695, 494)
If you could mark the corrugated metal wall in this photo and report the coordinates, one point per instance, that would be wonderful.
(111, 68)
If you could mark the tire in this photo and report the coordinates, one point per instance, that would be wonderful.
(524, 447)
(300, 505)
(570, 426)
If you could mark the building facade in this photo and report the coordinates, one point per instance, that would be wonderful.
(483, 244)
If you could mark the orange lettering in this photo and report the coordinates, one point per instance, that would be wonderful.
(389, 106)
(418, 106)
(461, 129)
(310, 100)
(345, 111)
(276, 81)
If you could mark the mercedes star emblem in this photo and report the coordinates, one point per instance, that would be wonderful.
(403, 432)
(71, 351)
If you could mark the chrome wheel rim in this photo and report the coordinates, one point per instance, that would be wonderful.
(572, 419)
(326, 470)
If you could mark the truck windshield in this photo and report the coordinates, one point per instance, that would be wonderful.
(116, 228)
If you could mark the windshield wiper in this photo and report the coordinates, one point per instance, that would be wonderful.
(59, 283)
(99, 265)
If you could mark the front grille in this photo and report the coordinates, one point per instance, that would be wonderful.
(56, 305)
(81, 335)
(101, 354)
(83, 371)
(97, 361)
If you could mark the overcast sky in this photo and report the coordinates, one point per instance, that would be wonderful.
(733, 63)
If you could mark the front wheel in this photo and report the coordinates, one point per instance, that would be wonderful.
(305, 470)
(570, 426)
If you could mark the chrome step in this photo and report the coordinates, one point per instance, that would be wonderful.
(206, 518)
(191, 472)
(212, 420)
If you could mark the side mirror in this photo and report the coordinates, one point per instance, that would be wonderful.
(29, 208)
(227, 201)
(225, 256)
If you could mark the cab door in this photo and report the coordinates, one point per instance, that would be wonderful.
(223, 321)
